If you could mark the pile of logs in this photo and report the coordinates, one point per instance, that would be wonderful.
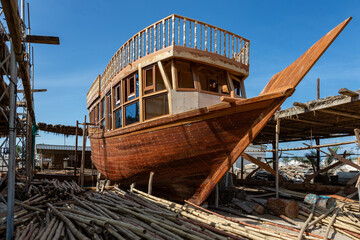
(63, 210)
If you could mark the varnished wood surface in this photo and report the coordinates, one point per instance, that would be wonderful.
(182, 156)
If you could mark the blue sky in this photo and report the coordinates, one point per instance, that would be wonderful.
(279, 31)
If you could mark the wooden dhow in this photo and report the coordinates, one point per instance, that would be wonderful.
(172, 101)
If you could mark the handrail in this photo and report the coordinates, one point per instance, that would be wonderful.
(181, 31)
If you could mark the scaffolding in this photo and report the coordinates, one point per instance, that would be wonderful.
(17, 117)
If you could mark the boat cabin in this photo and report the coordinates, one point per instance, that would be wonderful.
(173, 66)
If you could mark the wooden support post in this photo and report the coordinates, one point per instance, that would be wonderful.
(217, 195)
(274, 154)
(92, 174)
(132, 186)
(76, 146)
(318, 88)
(317, 141)
(98, 181)
(151, 177)
(242, 168)
(277, 155)
(83, 155)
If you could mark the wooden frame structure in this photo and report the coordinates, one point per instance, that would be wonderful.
(190, 147)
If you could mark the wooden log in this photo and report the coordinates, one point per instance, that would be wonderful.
(300, 236)
(48, 229)
(299, 104)
(150, 182)
(258, 208)
(59, 231)
(332, 220)
(279, 206)
(347, 92)
(71, 226)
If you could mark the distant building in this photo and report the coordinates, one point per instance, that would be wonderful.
(251, 150)
(61, 156)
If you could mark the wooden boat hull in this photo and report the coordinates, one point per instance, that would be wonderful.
(190, 152)
(182, 153)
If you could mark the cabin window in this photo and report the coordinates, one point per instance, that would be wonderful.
(156, 106)
(108, 112)
(152, 81)
(131, 88)
(102, 108)
(212, 80)
(117, 95)
(132, 113)
(237, 87)
(184, 75)
(118, 118)
(97, 114)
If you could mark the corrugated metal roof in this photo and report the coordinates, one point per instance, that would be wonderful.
(60, 147)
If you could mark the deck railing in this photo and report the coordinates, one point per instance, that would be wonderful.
(179, 31)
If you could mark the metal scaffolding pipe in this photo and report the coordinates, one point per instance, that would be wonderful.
(12, 144)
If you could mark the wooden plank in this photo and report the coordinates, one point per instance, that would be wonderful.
(260, 164)
(347, 92)
(341, 113)
(357, 134)
(309, 177)
(311, 122)
(348, 162)
(42, 39)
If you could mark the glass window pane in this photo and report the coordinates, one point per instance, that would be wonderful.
(137, 84)
(185, 79)
(156, 106)
(132, 113)
(236, 87)
(148, 78)
(213, 80)
(103, 108)
(118, 118)
(158, 79)
(131, 83)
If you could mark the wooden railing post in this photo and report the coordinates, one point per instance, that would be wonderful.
(224, 44)
(155, 48)
(184, 32)
(195, 34)
(168, 31)
(173, 31)
(147, 41)
(163, 33)
(206, 38)
(215, 40)
(189, 34)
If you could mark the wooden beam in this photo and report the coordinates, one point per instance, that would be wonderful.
(341, 113)
(231, 99)
(311, 122)
(347, 92)
(42, 39)
(348, 162)
(260, 164)
(357, 134)
(299, 104)
(309, 177)
(34, 90)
